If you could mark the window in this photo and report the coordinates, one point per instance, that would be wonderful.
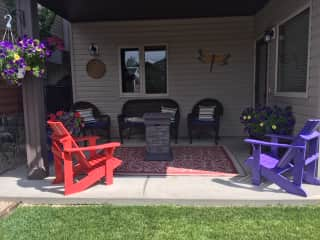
(149, 77)
(293, 54)
(155, 61)
(130, 70)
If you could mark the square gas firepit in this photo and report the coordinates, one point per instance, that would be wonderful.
(158, 137)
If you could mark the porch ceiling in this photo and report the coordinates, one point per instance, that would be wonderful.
(102, 10)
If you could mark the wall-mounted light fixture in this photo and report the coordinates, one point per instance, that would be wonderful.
(269, 35)
(94, 50)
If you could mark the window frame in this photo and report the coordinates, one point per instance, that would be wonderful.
(143, 93)
(282, 22)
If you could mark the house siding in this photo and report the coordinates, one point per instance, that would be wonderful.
(271, 15)
(3, 12)
(188, 79)
(11, 99)
(57, 27)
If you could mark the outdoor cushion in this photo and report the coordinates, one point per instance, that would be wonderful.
(206, 113)
(171, 111)
(197, 121)
(101, 125)
(87, 115)
(134, 120)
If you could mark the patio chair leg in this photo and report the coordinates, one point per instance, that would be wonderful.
(256, 178)
(190, 136)
(129, 133)
(255, 166)
(109, 173)
(176, 136)
(216, 135)
(58, 168)
(69, 175)
(298, 171)
(121, 135)
(309, 175)
(284, 183)
(108, 134)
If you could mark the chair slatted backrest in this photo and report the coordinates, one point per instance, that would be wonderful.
(209, 102)
(62, 137)
(309, 128)
(138, 107)
(86, 105)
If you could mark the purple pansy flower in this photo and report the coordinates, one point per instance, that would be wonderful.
(28, 52)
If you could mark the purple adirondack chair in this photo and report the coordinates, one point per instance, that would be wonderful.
(299, 163)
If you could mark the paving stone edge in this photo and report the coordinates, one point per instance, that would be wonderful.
(9, 209)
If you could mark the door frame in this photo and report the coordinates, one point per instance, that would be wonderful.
(258, 39)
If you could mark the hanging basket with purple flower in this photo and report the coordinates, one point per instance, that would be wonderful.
(27, 56)
(261, 121)
(12, 65)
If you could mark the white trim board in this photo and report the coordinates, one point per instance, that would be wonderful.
(260, 37)
(293, 94)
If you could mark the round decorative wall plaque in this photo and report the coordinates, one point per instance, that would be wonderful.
(96, 68)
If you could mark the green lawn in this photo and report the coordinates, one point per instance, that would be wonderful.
(108, 222)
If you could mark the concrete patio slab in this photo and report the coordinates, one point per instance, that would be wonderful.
(182, 190)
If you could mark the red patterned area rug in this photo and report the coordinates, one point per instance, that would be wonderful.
(191, 160)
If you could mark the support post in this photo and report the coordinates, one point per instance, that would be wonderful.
(33, 98)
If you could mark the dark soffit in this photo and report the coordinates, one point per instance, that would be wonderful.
(120, 10)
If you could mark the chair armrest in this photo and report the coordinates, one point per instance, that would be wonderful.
(280, 136)
(309, 137)
(280, 145)
(92, 148)
(87, 138)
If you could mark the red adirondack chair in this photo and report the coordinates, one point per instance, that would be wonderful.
(70, 160)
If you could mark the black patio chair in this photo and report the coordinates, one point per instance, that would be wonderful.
(207, 125)
(136, 108)
(102, 124)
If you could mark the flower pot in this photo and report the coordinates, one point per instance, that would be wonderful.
(21, 73)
